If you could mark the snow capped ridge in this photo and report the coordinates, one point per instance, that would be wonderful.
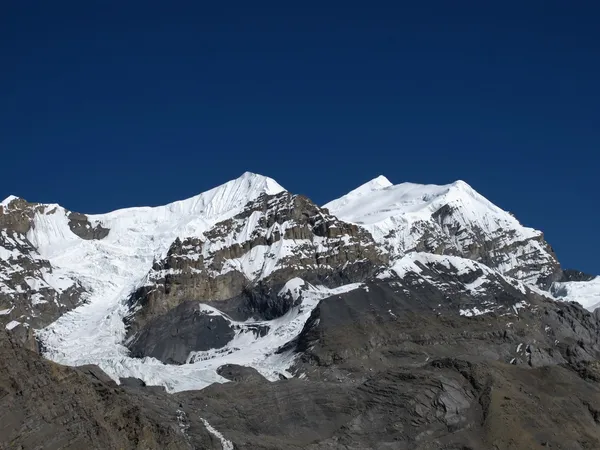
(369, 206)
(212, 202)
(157, 226)
(233, 194)
(453, 219)
(380, 182)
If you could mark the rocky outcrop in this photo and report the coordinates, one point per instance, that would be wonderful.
(82, 227)
(17, 215)
(445, 403)
(172, 336)
(536, 259)
(240, 374)
(32, 293)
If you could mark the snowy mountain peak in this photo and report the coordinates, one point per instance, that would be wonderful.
(375, 201)
(380, 182)
(452, 219)
(462, 184)
(376, 184)
(260, 182)
(8, 200)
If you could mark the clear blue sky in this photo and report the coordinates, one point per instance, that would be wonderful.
(113, 104)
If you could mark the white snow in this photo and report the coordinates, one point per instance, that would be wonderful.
(519, 305)
(12, 324)
(183, 423)
(225, 444)
(293, 287)
(586, 293)
(59, 283)
(259, 352)
(409, 201)
(37, 299)
(7, 255)
(474, 312)
(5, 312)
(357, 195)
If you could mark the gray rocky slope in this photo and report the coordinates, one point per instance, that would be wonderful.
(443, 333)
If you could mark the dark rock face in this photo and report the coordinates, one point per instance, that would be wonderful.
(242, 374)
(445, 403)
(81, 226)
(171, 337)
(442, 357)
(45, 405)
(290, 235)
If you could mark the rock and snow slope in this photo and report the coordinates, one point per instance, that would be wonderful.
(110, 269)
(112, 266)
(449, 219)
(249, 227)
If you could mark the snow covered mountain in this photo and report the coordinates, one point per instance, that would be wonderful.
(427, 293)
(110, 289)
(452, 220)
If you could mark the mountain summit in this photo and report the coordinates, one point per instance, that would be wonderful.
(449, 219)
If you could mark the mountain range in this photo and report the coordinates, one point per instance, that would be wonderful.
(395, 317)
